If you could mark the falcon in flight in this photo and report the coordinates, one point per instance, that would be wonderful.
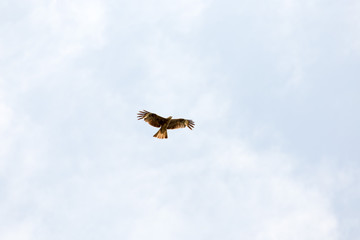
(164, 123)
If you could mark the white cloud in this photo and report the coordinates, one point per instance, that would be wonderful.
(177, 17)
(6, 116)
(353, 22)
(48, 36)
(77, 164)
(23, 231)
(72, 22)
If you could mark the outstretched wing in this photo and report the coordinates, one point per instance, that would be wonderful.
(151, 118)
(181, 123)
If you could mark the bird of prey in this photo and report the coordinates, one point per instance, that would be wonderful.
(164, 123)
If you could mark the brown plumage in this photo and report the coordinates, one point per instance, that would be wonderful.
(164, 123)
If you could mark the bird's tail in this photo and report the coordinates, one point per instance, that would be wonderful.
(162, 133)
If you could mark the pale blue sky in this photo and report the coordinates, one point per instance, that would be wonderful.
(273, 88)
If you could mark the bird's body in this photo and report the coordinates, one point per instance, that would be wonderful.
(164, 123)
(162, 133)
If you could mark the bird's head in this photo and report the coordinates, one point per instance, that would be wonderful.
(169, 118)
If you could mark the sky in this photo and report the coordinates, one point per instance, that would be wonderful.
(272, 86)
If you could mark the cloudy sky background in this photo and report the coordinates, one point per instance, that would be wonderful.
(273, 87)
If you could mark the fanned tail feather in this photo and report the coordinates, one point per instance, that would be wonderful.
(161, 134)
